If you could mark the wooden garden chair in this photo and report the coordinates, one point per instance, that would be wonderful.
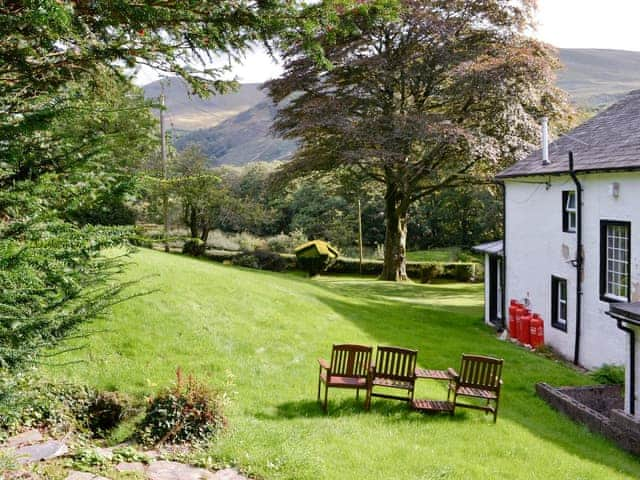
(480, 378)
(348, 368)
(394, 368)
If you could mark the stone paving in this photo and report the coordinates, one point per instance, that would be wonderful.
(31, 447)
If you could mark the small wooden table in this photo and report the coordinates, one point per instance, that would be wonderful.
(426, 405)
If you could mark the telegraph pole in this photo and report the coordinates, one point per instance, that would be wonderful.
(163, 154)
(360, 232)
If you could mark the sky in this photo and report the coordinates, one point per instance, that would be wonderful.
(612, 24)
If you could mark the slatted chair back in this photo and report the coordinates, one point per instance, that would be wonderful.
(350, 361)
(394, 363)
(479, 371)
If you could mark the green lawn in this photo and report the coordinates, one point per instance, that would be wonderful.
(266, 330)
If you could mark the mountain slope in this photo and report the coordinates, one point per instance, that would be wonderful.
(234, 128)
(188, 112)
(241, 139)
(595, 78)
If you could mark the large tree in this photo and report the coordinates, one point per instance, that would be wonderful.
(443, 94)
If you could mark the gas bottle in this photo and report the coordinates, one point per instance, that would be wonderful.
(524, 330)
(536, 330)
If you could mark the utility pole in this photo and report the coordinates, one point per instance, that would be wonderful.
(360, 232)
(163, 154)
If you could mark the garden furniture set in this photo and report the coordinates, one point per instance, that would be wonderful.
(351, 366)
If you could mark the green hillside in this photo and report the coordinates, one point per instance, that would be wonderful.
(240, 139)
(258, 335)
(595, 78)
(190, 112)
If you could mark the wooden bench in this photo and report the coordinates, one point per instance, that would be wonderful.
(348, 368)
(480, 378)
(394, 367)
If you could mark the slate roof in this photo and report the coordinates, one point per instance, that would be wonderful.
(608, 141)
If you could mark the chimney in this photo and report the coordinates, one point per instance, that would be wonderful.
(545, 141)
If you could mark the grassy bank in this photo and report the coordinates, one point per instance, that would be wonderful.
(264, 332)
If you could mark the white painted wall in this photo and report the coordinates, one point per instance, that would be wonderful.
(487, 291)
(537, 248)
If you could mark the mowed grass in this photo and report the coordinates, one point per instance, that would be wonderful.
(266, 331)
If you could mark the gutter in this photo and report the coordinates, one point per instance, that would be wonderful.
(593, 170)
(578, 262)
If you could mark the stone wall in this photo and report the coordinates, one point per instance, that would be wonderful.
(614, 424)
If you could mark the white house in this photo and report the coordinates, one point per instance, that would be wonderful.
(571, 246)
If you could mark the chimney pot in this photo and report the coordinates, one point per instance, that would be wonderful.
(545, 141)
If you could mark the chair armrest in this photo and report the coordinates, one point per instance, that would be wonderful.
(323, 363)
(453, 374)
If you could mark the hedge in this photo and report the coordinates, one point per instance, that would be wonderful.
(424, 272)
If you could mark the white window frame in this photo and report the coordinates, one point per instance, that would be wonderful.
(571, 211)
(562, 302)
(616, 267)
(559, 303)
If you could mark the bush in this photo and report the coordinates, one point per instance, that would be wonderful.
(263, 260)
(284, 243)
(247, 260)
(27, 401)
(249, 243)
(189, 412)
(105, 411)
(609, 374)
(194, 246)
(430, 272)
(461, 272)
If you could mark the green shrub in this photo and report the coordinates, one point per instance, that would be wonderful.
(189, 412)
(264, 260)
(194, 246)
(430, 272)
(249, 243)
(462, 272)
(609, 374)
(27, 401)
(247, 260)
(284, 243)
(105, 411)
(141, 241)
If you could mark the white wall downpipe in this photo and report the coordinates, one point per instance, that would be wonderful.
(545, 141)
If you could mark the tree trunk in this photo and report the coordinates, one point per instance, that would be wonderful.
(193, 222)
(395, 239)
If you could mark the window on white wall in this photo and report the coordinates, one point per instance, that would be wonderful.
(559, 303)
(569, 211)
(615, 260)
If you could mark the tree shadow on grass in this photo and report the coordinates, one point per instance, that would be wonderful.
(442, 336)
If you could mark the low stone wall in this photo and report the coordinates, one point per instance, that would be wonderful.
(599, 408)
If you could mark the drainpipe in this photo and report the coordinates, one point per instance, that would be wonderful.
(632, 361)
(578, 262)
(503, 277)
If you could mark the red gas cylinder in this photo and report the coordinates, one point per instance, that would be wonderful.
(513, 307)
(519, 313)
(536, 330)
(525, 325)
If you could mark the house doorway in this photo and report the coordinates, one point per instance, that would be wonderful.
(496, 288)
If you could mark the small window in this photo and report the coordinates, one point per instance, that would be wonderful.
(569, 212)
(615, 261)
(559, 303)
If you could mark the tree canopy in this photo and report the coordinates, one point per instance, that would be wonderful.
(444, 94)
